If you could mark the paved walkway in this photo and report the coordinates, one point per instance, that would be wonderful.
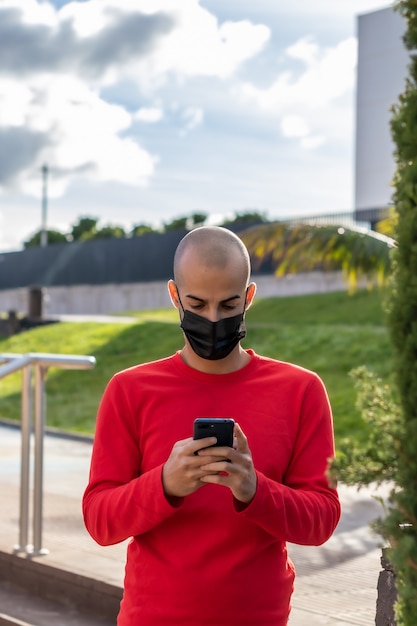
(104, 319)
(335, 585)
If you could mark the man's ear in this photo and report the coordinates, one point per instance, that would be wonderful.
(250, 294)
(173, 293)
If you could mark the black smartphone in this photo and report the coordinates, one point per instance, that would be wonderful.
(220, 427)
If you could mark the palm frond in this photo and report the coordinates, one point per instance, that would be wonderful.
(294, 248)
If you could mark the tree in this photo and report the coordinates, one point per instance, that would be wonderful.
(401, 523)
(394, 419)
(292, 248)
(175, 224)
(387, 225)
(245, 219)
(141, 229)
(375, 459)
(54, 236)
(186, 222)
(198, 219)
(85, 229)
(109, 232)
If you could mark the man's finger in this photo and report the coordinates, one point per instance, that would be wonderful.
(242, 442)
(201, 444)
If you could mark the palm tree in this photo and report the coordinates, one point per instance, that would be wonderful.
(292, 248)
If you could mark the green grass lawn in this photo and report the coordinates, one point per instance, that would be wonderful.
(328, 333)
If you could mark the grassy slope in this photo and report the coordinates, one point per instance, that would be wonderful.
(329, 333)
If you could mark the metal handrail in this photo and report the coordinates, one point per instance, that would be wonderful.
(63, 361)
(34, 392)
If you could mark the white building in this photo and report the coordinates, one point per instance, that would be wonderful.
(382, 68)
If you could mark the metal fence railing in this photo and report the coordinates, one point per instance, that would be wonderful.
(362, 218)
(34, 367)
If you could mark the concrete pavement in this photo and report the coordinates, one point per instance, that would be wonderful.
(335, 584)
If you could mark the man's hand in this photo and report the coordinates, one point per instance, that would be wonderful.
(182, 472)
(239, 475)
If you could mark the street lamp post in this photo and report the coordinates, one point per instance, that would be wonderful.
(44, 231)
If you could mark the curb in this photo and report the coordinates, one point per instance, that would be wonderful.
(71, 590)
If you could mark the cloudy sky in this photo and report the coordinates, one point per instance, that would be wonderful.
(146, 111)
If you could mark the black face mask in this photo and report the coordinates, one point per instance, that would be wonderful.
(213, 340)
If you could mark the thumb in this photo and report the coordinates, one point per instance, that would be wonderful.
(242, 442)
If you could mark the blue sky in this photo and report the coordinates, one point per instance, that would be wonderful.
(147, 111)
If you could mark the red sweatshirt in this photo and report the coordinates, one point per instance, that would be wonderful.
(205, 561)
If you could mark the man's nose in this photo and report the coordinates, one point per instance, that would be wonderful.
(213, 314)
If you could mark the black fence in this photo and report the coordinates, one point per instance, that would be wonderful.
(94, 262)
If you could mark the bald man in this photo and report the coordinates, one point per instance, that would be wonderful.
(209, 524)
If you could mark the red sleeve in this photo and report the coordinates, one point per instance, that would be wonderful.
(118, 502)
(304, 509)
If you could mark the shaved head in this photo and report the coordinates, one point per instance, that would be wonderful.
(213, 247)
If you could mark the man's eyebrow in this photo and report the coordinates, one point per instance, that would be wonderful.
(190, 295)
(236, 297)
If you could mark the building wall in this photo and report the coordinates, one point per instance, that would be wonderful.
(382, 67)
(107, 299)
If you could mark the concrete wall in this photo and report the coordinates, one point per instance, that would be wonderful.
(107, 299)
(381, 72)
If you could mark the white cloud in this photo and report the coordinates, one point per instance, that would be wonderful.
(15, 98)
(82, 136)
(87, 18)
(193, 117)
(149, 115)
(305, 49)
(311, 142)
(294, 126)
(189, 41)
(199, 46)
(54, 65)
(329, 74)
(308, 102)
(33, 12)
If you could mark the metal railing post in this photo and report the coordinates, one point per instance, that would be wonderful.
(40, 420)
(26, 429)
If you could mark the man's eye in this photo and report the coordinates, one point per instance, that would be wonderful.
(229, 307)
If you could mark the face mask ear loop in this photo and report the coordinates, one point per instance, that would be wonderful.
(179, 299)
(244, 305)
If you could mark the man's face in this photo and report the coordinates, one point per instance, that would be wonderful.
(213, 293)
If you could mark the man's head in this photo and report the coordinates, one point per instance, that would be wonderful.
(211, 281)
(212, 247)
